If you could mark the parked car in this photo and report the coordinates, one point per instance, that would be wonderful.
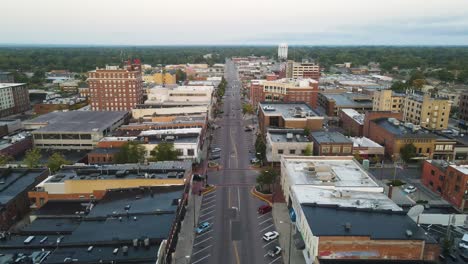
(274, 251)
(254, 160)
(203, 227)
(270, 236)
(264, 209)
(248, 128)
(410, 189)
(215, 156)
(464, 254)
(214, 150)
(464, 242)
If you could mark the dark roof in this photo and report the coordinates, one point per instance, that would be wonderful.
(105, 151)
(374, 261)
(402, 131)
(15, 181)
(51, 226)
(377, 224)
(53, 208)
(330, 137)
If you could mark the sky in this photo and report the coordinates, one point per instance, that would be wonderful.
(234, 22)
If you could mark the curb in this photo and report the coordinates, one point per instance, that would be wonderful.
(255, 193)
(208, 190)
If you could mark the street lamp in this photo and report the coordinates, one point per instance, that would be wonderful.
(290, 235)
(187, 259)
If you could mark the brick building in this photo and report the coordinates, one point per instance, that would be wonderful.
(463, 110)
(331, 144)
(351, 121)
(116, 89)
(334, 102)
(284, 90)
(302, 70)
(447, 179)
(14, 98)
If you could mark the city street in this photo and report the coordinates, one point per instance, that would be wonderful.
(236, 232)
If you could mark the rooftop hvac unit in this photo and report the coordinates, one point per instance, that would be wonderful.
(289, 136)
(298, 137)
(396, 122)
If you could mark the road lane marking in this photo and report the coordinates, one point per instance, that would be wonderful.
(201, 259)
(207, 232)
(270, 242)
(207, 213)
(238, 198)
(263, 215)
(201, 250)
(266, 228)
(236, 253)
(275, 259)
(264, 221)
(202, 241)
(209, 207)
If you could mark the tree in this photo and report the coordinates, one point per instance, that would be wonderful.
(164, 151)
(307, 132)
(260, 147)
(445, 75)
(407, 152)
(308, 150)
(266, 178)
(418, 83)
(38, 77)
(462, 76)
(181, 76)
(32, 158)
(56, 161)
(399, 87)
(248, 109)
(131, 152)
(4, 159)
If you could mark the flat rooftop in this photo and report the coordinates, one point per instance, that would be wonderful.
(178, 131)
(288, 110)
(16, 181)
(350, 100)
(359, 118)
(324, 137)
(306, 194)
(77, 121)
(399, 129)
(341, 171)
(364, 142)
(281, 135)
(6, 85)
(377, 224)
(299, 82)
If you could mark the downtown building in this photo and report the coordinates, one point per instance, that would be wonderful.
(303, 69)
(116, 89)
(14, 98)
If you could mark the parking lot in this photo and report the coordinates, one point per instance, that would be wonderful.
(265, 224)
(202, 245)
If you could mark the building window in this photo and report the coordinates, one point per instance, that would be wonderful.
(431, 183)
(325, 149)
(346, 150)
(432, 172)
(441, 178)
(190, 152)
(439, 147)
(457, 189)
(292, 151)
(448, 147)
(280, 151)
(336, 150)
(428, 150)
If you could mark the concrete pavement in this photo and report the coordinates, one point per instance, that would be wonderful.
(286, 229)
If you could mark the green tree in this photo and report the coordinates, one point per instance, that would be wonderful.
(445, 76)
(32, 158)
(418, 83)
(407, 152)
(38, 77)
(131, 152)
(399, 87)
(308, 150)
(248, 109)
(4, 159)
(56, 161)
(260, 147)
(307, 132)
(164, 151)
(266, 178)
(181, 76)
(462, 76)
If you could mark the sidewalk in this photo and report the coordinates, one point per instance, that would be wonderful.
(186, 235)
(285, 228)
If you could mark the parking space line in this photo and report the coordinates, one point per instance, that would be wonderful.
(201, 259)
(206, 213)
(262, 215)
(201, 250)
(264, 246)
(275, 259)
(266, 228)
(209, 207)
(202, 241)
(209, 198)
(203, 234)
(212, 201)
(209, 218)
(264, 221)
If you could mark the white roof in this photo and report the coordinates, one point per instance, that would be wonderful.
(171, 131)
(354, 115)
(461, 168)
(364, 142)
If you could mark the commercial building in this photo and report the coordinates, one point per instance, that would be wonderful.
(8, 126)
(448, 180)
(351, 121)
(116, 89)
(161, 78)
(119, 228)
(463, 111)
(303, 69)
(288, 115)
(192, 94)
(15, 145)
(14, 99)
(283, 51)
(430, 113)
(367, 148)
(285, 90)
(69, 86)
(14, 201)
(163, 122)
(286, 142)
(92, 182)
(387, 100)
(331, 144)
(6, 77)
(74, 129)
(151, 111)
(332, 103)
(59, 104)
(339, 212)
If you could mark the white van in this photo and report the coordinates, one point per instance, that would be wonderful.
(463, 242)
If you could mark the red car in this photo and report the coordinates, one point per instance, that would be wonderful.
(264, 209)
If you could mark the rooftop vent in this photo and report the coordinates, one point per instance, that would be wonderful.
(347, 226)
(409, 233)
(289, 136)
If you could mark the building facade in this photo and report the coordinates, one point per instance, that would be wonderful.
(14, 98)
(297, 70)
(351, 121)
(116, 89)
(286, 142)
(164, 78)
(463, 111)
(387, 100)
(283, 51)
(331, 144)
(430, 113)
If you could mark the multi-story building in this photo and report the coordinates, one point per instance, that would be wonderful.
(161, 78)
(288, 115)
(334, 102)
(180, 94)
(447, 179)
(286, 142)
(331, 144)
(463, 110)
(304, 69)
(285, 90)
(430, 113)
(14, 98)
(283, 51)
(6, 77)
(351, 121)
(387, 100)
(116, 89)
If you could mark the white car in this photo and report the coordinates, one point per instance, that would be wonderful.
(215, 150)
(410, 189)
(270, 236)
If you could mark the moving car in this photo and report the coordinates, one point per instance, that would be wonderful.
(203, 227)
(264, 209)
(270, 236)
(274, 251)
(410, 189)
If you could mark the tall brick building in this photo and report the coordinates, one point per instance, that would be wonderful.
(463, 110)
(116, 89)
(14, 98)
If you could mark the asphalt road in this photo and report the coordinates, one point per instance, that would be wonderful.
(237, 229)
